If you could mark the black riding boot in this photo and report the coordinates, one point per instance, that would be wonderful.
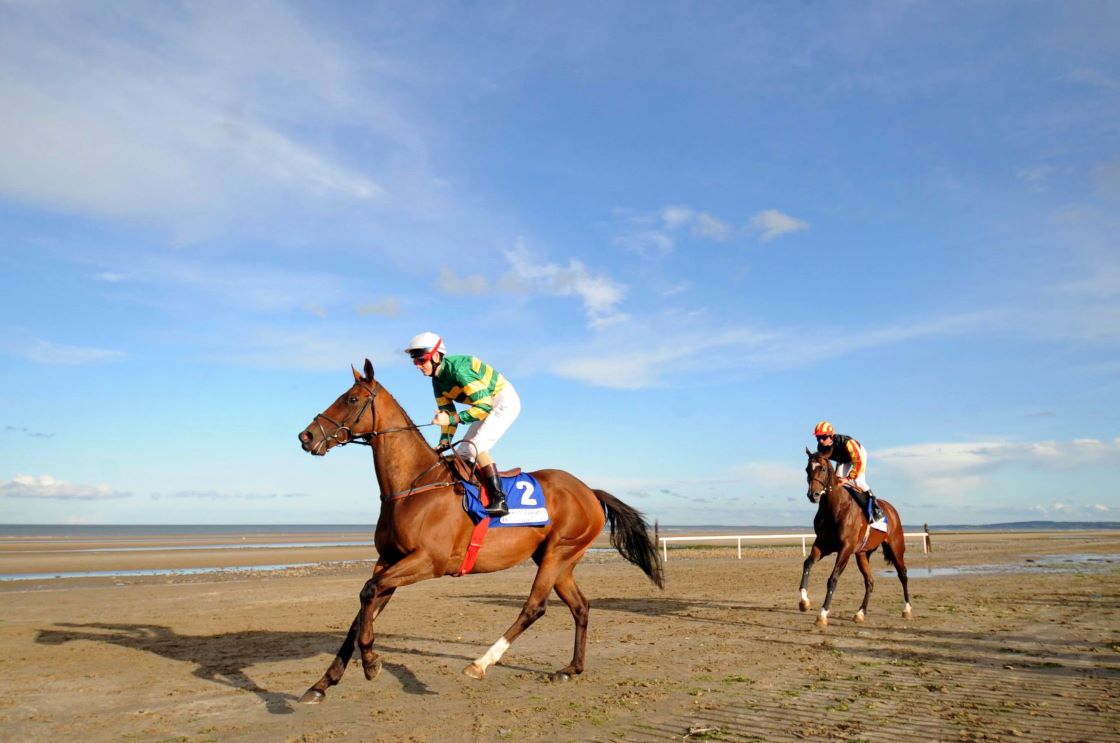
(876, 512)
(860, 498)
(497, 506)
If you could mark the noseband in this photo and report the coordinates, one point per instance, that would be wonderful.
(344, 433)
(827, 482)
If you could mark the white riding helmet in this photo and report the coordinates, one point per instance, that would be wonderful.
(425, 344)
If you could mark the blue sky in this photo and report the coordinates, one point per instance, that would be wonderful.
(685, 232)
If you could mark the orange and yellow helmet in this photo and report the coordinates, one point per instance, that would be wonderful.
(824, 428)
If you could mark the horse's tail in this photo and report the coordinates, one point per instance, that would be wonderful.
(630, 536)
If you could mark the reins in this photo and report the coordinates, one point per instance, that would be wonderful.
(344, 434)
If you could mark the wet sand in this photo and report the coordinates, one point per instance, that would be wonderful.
(1014, 637)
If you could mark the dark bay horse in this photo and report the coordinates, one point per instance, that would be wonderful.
(842, 528)
(423, 532)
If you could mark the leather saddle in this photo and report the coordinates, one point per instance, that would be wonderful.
(465, 471)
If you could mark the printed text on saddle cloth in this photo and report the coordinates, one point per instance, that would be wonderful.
(523, 496)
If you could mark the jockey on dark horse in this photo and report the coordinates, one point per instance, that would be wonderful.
(851, 460)
(492, 400)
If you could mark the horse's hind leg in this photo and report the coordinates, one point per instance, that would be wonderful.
(868, 584)
(814, 555)
(569, 592)
(895, 557)
(841, 563)
(547, 574)
(318, 690)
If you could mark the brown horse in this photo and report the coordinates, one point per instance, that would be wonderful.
(842, 528)
(423, 531)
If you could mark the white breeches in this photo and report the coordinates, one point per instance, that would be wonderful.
(484, 434)
(861, 481)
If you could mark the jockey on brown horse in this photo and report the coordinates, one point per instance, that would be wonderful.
(492, 400)
(851, 461)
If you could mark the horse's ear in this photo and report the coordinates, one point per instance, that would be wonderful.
(369, 371)
(809, 453)
(357, 376)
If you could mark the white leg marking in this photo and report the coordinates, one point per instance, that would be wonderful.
(906, 610)
(804, 595)
(493, 655)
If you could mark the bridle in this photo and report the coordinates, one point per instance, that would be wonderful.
(344, 432)
(817, 495)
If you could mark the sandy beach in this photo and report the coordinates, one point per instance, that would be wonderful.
(1014, 637)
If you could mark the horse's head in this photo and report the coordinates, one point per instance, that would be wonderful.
(818, 473)
(350, 418)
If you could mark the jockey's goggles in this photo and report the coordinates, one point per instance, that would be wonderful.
(824, 436)
(421, 357)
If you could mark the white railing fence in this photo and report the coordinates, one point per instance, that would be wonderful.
(739, 538)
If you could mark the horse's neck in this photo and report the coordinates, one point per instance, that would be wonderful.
(837, 497)
(399, 456)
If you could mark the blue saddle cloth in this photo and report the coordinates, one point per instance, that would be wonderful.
(523, 496)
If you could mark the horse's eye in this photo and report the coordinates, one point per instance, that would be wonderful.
(353, 400)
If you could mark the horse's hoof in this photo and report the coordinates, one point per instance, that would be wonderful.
(822, 622)
(312, 696)
(906, 613)
(559, 677)
(804, 605)
(858, 618)
(475, 671)
(373, 670)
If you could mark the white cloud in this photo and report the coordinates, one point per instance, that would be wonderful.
(225, 495)
(45, 352)
(599, 293)
(449, 283)
(387, 308)
(955, 468)
(47, 487)
(655, 350)
(656, 233)
(96, 122)
(774, 224)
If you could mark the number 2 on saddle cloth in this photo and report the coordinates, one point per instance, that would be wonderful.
(523, 496)
(526, 503)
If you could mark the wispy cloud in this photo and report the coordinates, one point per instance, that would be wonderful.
(28, 432)
(657, 233)
(178, 133)
(599, 293)
(225, 495)
(657, 350)
(473, 285)
(48, 488)
(954, 469)
(772, 224)
(45, 352)
(387, 308)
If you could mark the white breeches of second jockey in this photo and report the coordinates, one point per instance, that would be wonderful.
(861, 481)
(484, 434)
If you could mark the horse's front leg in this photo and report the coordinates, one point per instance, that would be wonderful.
(814, 555)
(868, 584)
(414, 567)
(334, 672)
(841, 563)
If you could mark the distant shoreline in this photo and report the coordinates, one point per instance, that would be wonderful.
(162, 530)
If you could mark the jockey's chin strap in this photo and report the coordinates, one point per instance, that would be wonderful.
(344, 433)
